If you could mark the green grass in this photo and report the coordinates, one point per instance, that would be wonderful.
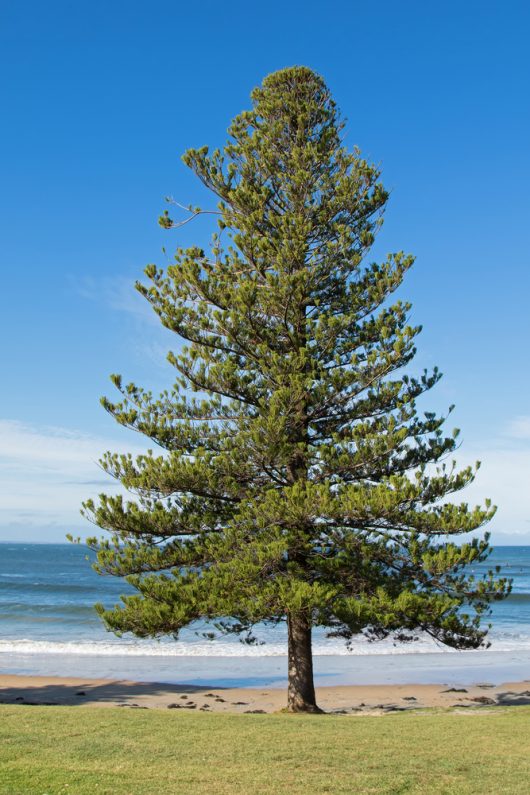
(51, 750)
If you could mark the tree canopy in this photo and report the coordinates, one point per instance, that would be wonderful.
(297, 481)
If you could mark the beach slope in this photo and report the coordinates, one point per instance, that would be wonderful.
(349, 699)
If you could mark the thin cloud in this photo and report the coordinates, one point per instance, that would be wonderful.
(519, 427)
(117, 293)
(504, 477)
(47, 447)
(47, 472)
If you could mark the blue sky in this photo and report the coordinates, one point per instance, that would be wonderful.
(99, 100)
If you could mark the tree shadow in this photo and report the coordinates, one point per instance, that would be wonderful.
(113, 692)
(512, 699)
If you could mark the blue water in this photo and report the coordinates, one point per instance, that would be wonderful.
(48, 625)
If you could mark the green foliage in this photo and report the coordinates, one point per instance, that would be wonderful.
(297, 476)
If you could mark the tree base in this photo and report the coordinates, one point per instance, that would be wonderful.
(311, 709)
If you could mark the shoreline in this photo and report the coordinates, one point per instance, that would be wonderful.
(454, 669)
(341, 699)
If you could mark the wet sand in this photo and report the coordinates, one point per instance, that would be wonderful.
(342, 699)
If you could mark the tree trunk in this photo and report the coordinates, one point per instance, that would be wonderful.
(301, 689)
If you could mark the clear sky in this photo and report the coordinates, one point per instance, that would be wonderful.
(98, 102)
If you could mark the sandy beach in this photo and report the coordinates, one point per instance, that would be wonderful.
(345, 699)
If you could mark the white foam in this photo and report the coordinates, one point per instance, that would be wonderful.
(219, 648)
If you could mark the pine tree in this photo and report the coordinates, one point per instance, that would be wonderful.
(298, 482)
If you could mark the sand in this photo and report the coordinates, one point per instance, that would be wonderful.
(342, 699)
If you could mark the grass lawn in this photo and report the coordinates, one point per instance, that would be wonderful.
(119, 751)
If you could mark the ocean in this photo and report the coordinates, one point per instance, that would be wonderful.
(48, 626)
